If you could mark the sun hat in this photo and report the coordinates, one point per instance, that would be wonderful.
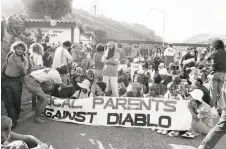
(85, 84)
(197, 94)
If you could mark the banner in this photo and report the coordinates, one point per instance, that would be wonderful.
(125, 112)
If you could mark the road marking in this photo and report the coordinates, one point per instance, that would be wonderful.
(82, 134)
(100, 145)
(92, 141)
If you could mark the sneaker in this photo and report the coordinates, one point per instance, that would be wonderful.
(159, 131)
(173, 134)
(188, 135)
(164, 132)
(39, 121)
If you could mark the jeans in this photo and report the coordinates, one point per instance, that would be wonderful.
(215, 134)
(216, 81)
(111, 82)
(11, 95)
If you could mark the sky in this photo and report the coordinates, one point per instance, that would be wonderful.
(183, 18)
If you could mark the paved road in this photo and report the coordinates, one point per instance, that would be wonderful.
(72, 136)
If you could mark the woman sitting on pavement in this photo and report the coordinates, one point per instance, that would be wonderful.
(23, 141)
(84, 92)
(202, 121)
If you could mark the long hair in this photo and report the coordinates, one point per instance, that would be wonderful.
(37, 48)
(18, 44)
(111, 52)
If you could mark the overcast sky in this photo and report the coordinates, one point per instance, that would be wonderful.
(184, 18)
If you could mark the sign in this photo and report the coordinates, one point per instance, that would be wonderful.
(125, 112)
(56, 35)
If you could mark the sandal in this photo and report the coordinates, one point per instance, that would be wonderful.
(39, 121)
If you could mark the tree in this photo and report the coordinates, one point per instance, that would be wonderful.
(56, 9)
(100, 34)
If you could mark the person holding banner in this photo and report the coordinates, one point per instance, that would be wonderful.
(33, 81)
(84, 92)
(110, 70)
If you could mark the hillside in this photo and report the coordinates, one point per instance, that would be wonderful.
(115, 29)
(205, 38)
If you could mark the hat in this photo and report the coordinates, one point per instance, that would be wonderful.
(136, 60)
(196, 94)
(85, 84)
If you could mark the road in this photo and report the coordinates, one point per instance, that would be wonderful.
(73, 136)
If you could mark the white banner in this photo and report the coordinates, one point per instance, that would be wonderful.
(126, 112)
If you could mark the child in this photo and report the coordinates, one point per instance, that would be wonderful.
(100, 88)
(84, 92)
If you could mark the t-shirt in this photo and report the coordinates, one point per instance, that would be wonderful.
(170, 52)
(218, 60)
(61, 57)
(47, 74)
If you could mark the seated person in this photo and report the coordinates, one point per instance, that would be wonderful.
(202, 121)
(25, 141)
(84, 92)
(154, 91)
(134, 90)
(100, 89)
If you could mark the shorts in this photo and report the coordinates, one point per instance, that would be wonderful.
(34, 87)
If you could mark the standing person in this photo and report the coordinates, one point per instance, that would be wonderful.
(110, 70)
(169, 54)
(98, 66)
(121, 51)
(217, 77)
(13, 71)
(36, 60)
(48, 57)
(62, 55)
(34, 79)
(219, 130)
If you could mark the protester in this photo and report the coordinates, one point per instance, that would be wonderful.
(202, 120)
(62, 55)
(110, 72)
(8, 138)
(98, 65)
(169, 54)
(48, 57)
(219, 130)
(84, 91)
(13, 71)
(121, 51)
(154, 91)
(134, 91)
(100, 89)
(157, 80)
(34, 79)
(217, 76)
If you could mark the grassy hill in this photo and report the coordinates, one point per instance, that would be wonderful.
(205, 38)
(115, 29)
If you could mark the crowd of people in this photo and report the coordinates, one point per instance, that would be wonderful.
(80, 71)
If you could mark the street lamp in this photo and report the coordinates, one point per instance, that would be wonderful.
(164, 20)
